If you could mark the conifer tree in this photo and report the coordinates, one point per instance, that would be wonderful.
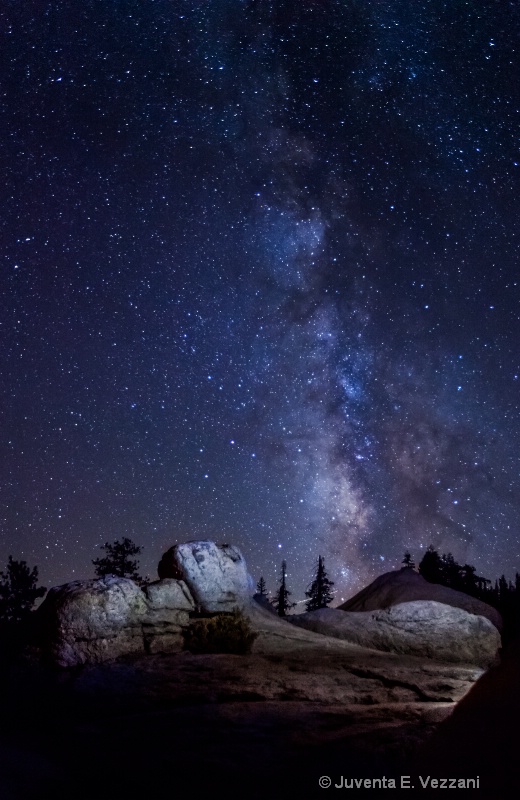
(119, 561)
(261, 588)
(282, 604)
(502, 589)
(18, 591)
(408, 561)
(468, 579)
(431, 566)
(450, 571)
(319, 593)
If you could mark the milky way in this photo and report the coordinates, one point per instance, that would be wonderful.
(259, 282)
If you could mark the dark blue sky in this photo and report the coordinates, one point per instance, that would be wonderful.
(259, 282)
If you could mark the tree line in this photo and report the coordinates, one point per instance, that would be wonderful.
(443, 569)
(19, 590)
(319, 593)
(502, 594)
(18, 583)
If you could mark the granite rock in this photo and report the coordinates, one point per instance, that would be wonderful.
(406, 585)
(87, 622)
(216, 575)
(421, 628)
(91, 621)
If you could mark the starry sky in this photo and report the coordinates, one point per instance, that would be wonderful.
(259, 282)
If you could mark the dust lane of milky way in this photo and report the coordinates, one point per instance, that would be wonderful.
(259, 282)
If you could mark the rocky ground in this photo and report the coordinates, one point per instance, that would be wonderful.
(266, 725)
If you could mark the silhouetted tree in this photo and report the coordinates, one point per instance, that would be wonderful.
(469, 582)
(261, 587)
(450, 571)
(319, 593)
(503, 589)
(504, 595)
(281, 603)
(119, 560)
(18, 591)
(445, 570)
(408, 561)
(431, 565)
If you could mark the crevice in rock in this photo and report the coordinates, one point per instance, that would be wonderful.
(393, 683)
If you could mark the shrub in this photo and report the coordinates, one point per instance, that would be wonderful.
(223, 633)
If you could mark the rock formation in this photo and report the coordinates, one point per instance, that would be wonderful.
(215, 574)
(481, 737)
(406, 585)
(99, 620)
(87, 622)
(169, 607)
(300, 705)
(421, 628)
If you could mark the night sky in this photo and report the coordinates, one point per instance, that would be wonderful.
(259, 283)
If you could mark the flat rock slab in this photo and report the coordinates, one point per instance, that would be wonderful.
(287, 664)
(301, 705)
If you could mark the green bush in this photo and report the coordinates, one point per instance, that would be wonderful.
(223, 633)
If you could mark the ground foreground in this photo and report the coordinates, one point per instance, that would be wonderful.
(268, 725)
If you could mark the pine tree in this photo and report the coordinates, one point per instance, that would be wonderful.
(282, 604)
(446, 571)
(261, 588)
(118, 560)
(451, 571)
(431, 566)
(469, 581)
(503, 589)
(319, 593)
(18, 591)
(408, 561)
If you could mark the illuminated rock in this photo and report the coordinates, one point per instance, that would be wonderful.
(215, 574)
(422, 628)
(170, 604)
(91, 621)
(406, 585)
(87, 622)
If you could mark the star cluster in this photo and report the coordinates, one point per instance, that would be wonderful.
(259, 282)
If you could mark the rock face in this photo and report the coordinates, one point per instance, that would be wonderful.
(406, 585)
(421, 628)
(464, 742)
(170, 604)
(215, 574)
(87, 622)
(91, 621)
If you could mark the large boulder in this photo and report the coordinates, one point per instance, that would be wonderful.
(421, 628)
(88, 622)
(92, 621)
(406, 585)
(215, 574)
